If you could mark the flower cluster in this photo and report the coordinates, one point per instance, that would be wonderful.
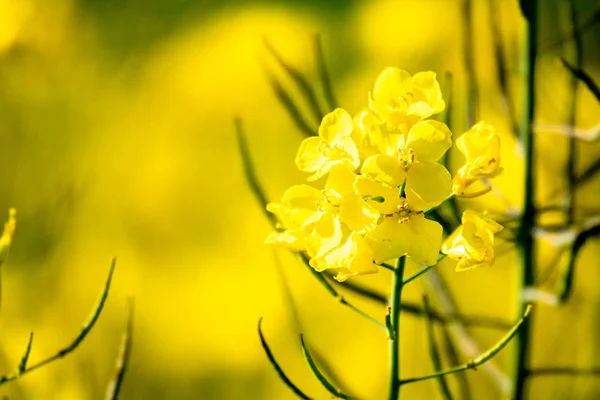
(382, 179)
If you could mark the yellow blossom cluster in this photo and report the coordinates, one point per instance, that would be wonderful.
(381, 180)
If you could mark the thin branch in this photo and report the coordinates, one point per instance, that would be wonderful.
(424, 269)
(301, 82)
(583, 77)
(324, 74)
(588, 173)
(85, 330)
(276, 366)
(482, 359)
(573, 50)
(567, 371)
(587, 24)
(501, 67)
(303, 258)
(453, 357)
(458, 328)
(23, 364)
(469, 62)
(568, 272)
(481, 321)
(313, 367)
(434, 352)
(250, 172)
(124, 356)
(290, 106)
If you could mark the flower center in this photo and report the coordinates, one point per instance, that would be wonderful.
(331, 203)
(403, 101)
(336, 152)
(406, 156)
(402, 213)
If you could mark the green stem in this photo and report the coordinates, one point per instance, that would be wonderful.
(394, 334)
(572, 52)
(525, 239)
(481, 359)
(423, 269)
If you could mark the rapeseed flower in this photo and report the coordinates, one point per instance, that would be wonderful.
(333, 146)
(481, 148)
(472, 243)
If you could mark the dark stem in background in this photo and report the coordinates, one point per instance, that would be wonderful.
(85, 330)
(115, 386)
(324, 74)
(573, 51)
(501, 65)
(454, 359)
(301, 82)
(590, 22)
(469, 60)
(276, 365)
(394, 332)
(525, 239)
(434, 352)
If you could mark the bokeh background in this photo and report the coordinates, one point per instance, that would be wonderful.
(117, 139)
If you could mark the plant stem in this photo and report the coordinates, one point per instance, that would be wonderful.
(394, 334)
(525, 239)
(572, 52)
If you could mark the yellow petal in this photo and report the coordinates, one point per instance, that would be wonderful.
(309, 158)
(472, 244)
(429, 139)
(389, 240)
(391, 95)
(425, 239)
(426, 91)
(482, 222)
(384, 168)
(360, 260)
(357, 214)
(298, 204)
(453, 245)
(367, 188)
(481, 147)
(290, 239)
(340, 181)
(348, 152)
(335, 126)
(478, 140)
(325, 234)
(427, 185)
(367, 134)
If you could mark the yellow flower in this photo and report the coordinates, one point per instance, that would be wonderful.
(404, 229)
(354, 257)
(7, 235)
(368, 134)
(402, 100)
(481, 148)
(307, 222)
(312, 220)
(426, 142)
(472, 243)
(333, 146)
(299, 204)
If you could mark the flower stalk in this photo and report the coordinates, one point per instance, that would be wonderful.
(525, 239)
(394, 335)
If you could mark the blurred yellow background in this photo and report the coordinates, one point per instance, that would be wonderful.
(117, 139)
